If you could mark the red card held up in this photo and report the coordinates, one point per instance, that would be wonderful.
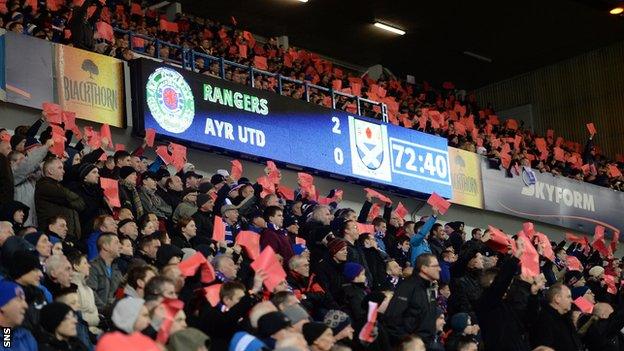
(120, 147)
(499, 241)
(529, 261)
(53, 112)
(438, 202)
(528, 229)
(378, 195)
(69, 118)
(400, 210)
(111, 191)
(212, 294)
(106, 133)
(218, 231)
(162, 152)
(267, 261)
(189, 267)
(574, 264)
(250, 241)
(237, 169)
(365, 228)
(591, 128)
(150, 135)
(584, 305)
(304, 179)
(288, 193)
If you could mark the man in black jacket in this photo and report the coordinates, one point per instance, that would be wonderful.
(412, 309)
(554, 327)
(604, 332)
(503, 313)
(204, 217)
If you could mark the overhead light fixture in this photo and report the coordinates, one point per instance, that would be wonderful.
(303, 0)
(616, 10)
(478, 57)
(389, 28)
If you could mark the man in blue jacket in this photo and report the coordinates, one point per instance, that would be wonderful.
(12, 309)
(418, 241)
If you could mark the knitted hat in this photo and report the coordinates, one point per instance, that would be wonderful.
(8, 291)
(204, 187)
(243, 341)
(351, 270)
(298, 249)
(336, 320)
(150, 175)
(84, 170)
(290, 220)
(126, 312)
(296, 313)
(52, 315)
(202, 198)
(167, 252)
(313, 331)
(336, 245)
(125, 171)
(162, 173)
(186, 339)
(124, 222)
(459, 322)
(33, 238)
(596, 271)
(23, 262)
(216, 179)
(16, 139)
(271, 323)
(579, 291)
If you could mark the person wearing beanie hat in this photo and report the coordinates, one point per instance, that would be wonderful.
(189, 339)
(150, 200)
(168, 254)
(204, 217)
(204, 187)
(217, 180)
(273, 327)
(42, 244)
(298, 316)
(352, 270)
(18, 142)
(130, 315)
(13, 308)
(128, 192)
(129, 228)
(340, 324)
(318, 336)
(25, 268)
(330, 270)
(59, 328)
(117, 341)
(89, 190)
(85, 170)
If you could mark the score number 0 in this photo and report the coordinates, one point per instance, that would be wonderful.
(338, 153)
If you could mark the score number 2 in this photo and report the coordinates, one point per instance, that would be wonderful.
(435, 167)
(338, 153)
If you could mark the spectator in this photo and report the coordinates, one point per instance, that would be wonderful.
(204, 217)
(104, 276)
(88, 188)
(275, 235)
(13, 307)
(52, 199)
(128, 194)
(413, 307)
(150, 201)
(554, 326)
(86, 297)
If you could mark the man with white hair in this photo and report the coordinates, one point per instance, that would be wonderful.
(58, 273)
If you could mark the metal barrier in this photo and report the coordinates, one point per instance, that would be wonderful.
(188, 62)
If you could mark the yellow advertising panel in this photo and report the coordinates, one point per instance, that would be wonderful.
(91, 85)
(466, 178)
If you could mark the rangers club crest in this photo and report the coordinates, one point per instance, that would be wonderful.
(369, 149)
(170, 100)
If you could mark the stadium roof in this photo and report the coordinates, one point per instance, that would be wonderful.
(517, 36)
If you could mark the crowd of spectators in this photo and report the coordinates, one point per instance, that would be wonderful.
(446, 111)
(187, 262)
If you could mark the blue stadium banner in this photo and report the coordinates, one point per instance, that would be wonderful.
(215, 113)
(557, 200)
